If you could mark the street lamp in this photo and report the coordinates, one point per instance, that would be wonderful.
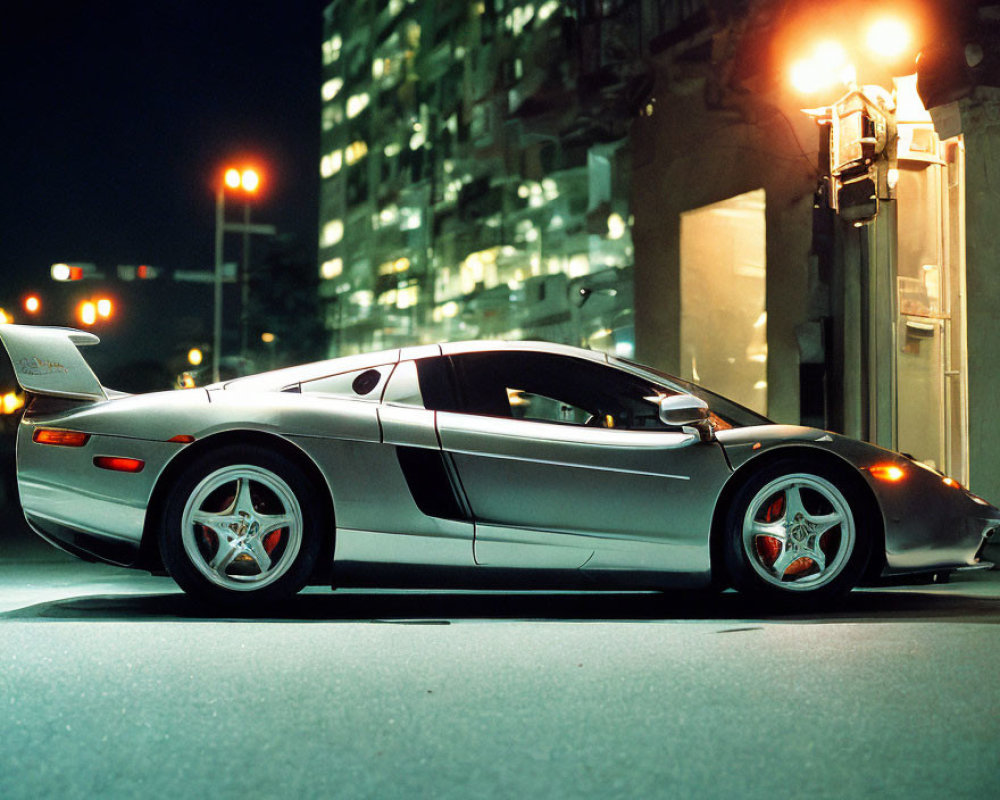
(88, 312)
(862, 121)
(886, 39)
(246, 181)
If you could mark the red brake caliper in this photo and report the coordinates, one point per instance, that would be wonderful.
(272, 539)
(769, 548)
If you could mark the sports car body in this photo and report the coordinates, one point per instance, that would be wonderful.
(467, 464)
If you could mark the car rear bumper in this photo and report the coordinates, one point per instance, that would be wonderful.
(85, 544)
(89, 511)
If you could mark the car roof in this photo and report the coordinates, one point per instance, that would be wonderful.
(455, 348)
(278, 379)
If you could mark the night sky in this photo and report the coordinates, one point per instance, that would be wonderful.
(117, 115)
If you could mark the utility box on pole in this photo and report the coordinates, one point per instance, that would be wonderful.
(862, 137)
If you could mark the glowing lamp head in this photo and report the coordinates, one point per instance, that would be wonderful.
(827, 66)
(87, 312)
(805, 77)
(32, 304)
(250, 180)
(11, 402)
(888, 38)
(246, 180)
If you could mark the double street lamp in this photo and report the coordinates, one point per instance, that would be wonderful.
(245, 181)
(862, 122)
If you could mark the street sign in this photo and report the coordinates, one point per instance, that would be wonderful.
(207, 275)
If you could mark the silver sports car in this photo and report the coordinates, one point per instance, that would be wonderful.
(486, 464)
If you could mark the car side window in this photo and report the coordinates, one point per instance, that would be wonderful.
(404, 386)
(359, 384)
(532, 406)
(436, 384)
(550, 388)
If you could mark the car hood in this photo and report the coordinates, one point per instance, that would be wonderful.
(743, 445)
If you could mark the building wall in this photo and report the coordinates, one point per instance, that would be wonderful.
(689, 155)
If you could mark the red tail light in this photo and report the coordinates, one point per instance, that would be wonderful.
(119, 463)
(60, 437)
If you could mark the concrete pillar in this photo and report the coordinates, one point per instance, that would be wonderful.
(981, 128)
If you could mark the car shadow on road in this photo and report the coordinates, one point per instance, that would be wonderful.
(443, 608)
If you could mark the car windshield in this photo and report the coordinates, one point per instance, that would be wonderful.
(733, 413)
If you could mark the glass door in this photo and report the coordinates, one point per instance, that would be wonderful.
(931, 422)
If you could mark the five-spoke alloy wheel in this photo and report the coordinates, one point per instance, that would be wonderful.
(794, 530)
(242, 524)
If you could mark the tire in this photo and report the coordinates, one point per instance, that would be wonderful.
(242, 526)
(795, 534)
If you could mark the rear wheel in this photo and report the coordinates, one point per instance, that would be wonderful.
(794, 532)
(242, 526)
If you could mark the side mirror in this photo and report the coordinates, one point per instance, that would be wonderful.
(686, 410)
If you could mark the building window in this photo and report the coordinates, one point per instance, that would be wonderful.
(723, 313)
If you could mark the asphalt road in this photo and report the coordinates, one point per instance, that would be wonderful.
(112, 684)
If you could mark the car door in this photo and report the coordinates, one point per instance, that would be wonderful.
(428, 524)
(564, 462)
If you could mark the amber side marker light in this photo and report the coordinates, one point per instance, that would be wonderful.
(60, 437)
(119, 463)
(181, 438)
(887, 472)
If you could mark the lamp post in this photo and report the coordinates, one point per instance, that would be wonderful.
(862, 174)
(246, 181)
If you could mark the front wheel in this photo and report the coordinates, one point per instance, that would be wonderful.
(242, 525)
(794, 532)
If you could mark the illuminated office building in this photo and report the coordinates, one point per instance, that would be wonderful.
(474, 183)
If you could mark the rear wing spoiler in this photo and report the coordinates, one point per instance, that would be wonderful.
(47, 362)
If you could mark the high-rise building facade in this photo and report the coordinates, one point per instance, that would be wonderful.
(474, 183)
